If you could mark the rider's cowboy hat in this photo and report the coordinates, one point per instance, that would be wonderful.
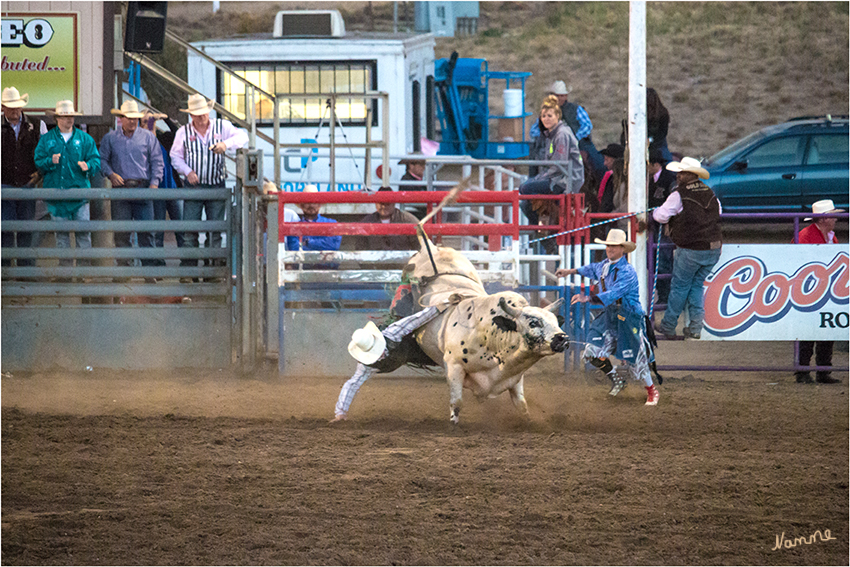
(688, 164)
(198, 104)
(129, 109)
(13, 99)
(824, 208)
(64, 108)
(559, 88)
(617, 237)
(367, 344)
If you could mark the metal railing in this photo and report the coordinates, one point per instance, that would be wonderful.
(95, 275)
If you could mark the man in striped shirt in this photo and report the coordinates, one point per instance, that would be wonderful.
(198, 155)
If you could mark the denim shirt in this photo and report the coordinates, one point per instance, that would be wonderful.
(620, 283)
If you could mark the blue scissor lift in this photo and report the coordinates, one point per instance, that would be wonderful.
(463, 111)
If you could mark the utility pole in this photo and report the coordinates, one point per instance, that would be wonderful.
(637, 133)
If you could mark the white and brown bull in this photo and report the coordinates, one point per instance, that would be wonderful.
(486, 342)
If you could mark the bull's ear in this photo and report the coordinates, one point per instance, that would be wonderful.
(513, 312)
(556, 306)
(561, 321)
(504, 324)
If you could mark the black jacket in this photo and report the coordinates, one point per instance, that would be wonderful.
(18, 153)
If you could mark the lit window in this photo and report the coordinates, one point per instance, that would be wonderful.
(299, 78)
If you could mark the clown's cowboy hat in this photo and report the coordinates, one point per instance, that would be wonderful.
(367, 344)
(129, 109)
(198, 104)
(824, 208)
(13, 99)
(688, 164)
(617, 237)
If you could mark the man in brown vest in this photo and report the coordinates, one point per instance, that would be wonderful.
(693, 213)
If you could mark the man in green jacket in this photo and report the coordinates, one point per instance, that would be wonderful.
(68, 159)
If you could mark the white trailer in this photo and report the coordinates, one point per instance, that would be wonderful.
(398, 64)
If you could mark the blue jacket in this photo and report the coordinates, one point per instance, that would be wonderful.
(619, 283)
(313, 243)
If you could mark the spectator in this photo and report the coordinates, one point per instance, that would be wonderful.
(611, 185)
(414, 171)
(558, 144)
(198, 155)
(578, 120)
(131, 157)
(822, 231)
(659, 185)
(67, 157)
(388, 213)
(173, 208)
(21, 134)
(310, 213)
(657, 122)
(621, 328)
(693, 213)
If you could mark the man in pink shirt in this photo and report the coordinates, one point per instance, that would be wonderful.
(822, 231)
(198, 155)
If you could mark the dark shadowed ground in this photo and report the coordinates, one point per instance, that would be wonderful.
(197, 468)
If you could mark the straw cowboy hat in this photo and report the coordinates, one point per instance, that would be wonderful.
(198, 104)
(64, 108)
(13, 99)
(688, 164)
(151, 114)
(129, 109)
(617, 237)
(560, 88)
(415, 157)
(367, 344)
(824, 208)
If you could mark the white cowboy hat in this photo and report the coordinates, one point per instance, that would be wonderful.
(560, 88)
(310, 188)
(64, 108)
(198, 104)
(688, 164)
(415, 157)
(129, 109)
(151, 114)
(367, 344)
(824, 208)
(13, 99)
(617, 237)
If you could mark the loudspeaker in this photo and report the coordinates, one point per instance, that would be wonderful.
(145, 31)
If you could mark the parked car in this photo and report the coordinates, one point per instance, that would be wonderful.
(784, 168)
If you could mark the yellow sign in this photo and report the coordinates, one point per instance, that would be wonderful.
(40, 57)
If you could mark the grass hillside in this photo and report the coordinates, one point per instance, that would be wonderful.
(723, 69)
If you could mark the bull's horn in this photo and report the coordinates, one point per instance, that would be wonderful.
(556, 306)
(512, 311)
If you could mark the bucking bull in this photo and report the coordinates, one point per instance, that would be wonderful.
(485, 342)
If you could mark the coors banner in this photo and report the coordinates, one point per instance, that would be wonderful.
(777, 292)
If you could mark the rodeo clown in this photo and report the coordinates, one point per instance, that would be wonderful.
(621, 328)
(390, 349)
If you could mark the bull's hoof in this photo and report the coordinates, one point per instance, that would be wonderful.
(454, 416)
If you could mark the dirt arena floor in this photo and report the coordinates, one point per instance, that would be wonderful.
(107, 468)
